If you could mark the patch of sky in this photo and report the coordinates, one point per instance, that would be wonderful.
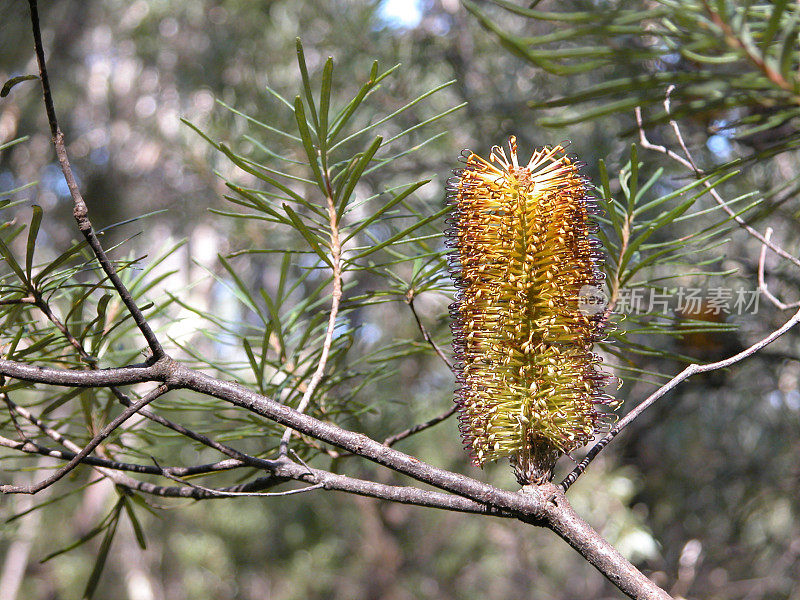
(53, 179)
(400, 14)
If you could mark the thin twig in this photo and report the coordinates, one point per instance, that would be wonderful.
(690, 164)
(224, 493)
(393, 439)
(186, 491)
(671, 384)
(336, 297)
(80, 210)
(424, 331)
(95, 441)
(762, 282)
(283, 471)
(73, 449)
(11, 412)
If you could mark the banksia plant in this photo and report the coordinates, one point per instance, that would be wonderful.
(523, 261)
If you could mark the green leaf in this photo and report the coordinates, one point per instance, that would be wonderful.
(14, 142)
(399, 235)
(60, 401)
(254, 364)
(8, 256)
(100, 322)
(358, 169)
(633, 191)
(102, 554)
(102, 526)
(14, 81)
(309, 236)
(778, 8)
(788, 55)
(137, 526)
(324, 106)
(344, 116)
(243, 291)
(308, 143)
(301, 62)
(33, 232)
(400, 110)
(242, 164)
(373, 217)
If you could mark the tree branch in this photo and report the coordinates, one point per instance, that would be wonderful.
(158, 371)
(96, 440)
(80, 210)
(564, 521)
(689, 163)
(667, 387)
(423, 330)
(762, 282)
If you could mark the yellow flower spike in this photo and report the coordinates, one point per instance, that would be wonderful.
(523, 252)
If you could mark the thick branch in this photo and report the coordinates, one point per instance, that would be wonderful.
(354, 442)
(562, 519)
(99, 378)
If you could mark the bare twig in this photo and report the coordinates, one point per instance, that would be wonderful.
(424, 331)
(401, 435)
(667, 387)
(690, 164)
(96, 441)
(80, 210)
(393, 439)
(283, 471)
(762, 282)
(226, 493)
(32, 447)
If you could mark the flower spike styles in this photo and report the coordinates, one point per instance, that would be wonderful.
(523, 259)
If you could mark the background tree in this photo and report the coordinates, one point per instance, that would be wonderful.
(735, 440)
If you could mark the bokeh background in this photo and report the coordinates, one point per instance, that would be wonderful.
(702, 491)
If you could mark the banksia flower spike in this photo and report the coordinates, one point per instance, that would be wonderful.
(524, 257)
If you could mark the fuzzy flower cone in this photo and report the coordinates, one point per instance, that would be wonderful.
(523, 263)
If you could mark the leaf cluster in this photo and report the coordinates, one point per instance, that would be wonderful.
(733, 64)
(324, 187)
(660, 236)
